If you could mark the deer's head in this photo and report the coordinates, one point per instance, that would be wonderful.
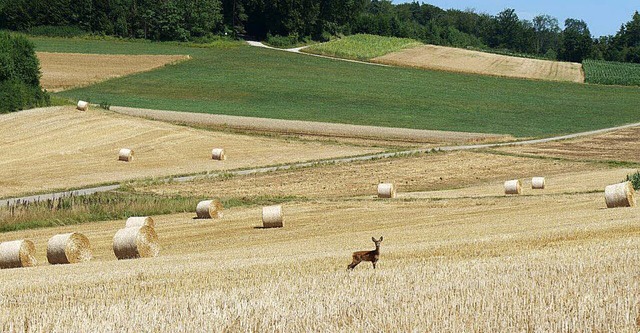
(377, 242)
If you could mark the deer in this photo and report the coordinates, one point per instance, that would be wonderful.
(361, 256)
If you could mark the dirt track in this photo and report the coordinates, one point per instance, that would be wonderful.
(61, 71)
(59, 147)
(466, 61)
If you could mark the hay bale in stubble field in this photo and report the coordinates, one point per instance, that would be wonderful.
(19, 253)
(68, 248)
(209, 209)
(620, 195)
(538, 183)
(272, 217)
(82, 106)
(125, 155)
(218, 154)
(136, 242)
(513, 187)
(386, 191)
(138, 221)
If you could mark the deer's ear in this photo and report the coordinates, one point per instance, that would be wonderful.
(373, 239)
(381, 238)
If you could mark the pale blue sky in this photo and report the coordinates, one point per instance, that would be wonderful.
(604, 17)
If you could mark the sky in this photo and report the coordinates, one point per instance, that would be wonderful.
(604, 17)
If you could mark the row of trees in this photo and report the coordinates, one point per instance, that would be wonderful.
(321, 19)
(541, 36)
(150, 19)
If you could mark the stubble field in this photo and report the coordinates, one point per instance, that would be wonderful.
(62, 71)
(59, 147)
(620, 146)
(458, 254)
(549, 263)
(466, 61)
(425, 172)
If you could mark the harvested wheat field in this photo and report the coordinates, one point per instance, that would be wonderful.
(62, 71)
(451, 265)
(622, 145)
(58, 147)
(558, 183)
(424, 172)
(467, 61)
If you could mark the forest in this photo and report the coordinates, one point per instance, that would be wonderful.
(321, 20)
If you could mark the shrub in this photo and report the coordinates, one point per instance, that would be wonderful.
(635, 180)
(19, 75)
(105, 105)
(283, 42)
(16, 95)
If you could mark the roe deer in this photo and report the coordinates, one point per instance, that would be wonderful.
(372, 256)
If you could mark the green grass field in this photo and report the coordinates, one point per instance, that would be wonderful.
(608, 72)
(240, 80)
(362, 47)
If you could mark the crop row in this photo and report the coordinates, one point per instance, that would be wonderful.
(615, 73)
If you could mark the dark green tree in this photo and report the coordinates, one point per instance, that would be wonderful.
(577, 44)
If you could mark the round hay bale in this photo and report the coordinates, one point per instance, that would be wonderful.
(513, 187)
(620, 195)
(386, 191)
(20, 253)
(68, 248)
(136, 242)
(138, 221)
(538, 183)
(218, 154)
(125, 155)
(82, 106)
(209, 209)
(272, 217)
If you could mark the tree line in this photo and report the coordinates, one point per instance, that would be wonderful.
(321, 20)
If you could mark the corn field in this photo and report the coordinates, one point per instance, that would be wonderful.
(611, 73)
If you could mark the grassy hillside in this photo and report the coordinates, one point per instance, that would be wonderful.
(362, 47)
(246, 81)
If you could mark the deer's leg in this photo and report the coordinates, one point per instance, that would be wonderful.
(374, 264)
(354, 263)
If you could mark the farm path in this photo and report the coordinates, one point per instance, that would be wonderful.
(367, 157)
(299, 49)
